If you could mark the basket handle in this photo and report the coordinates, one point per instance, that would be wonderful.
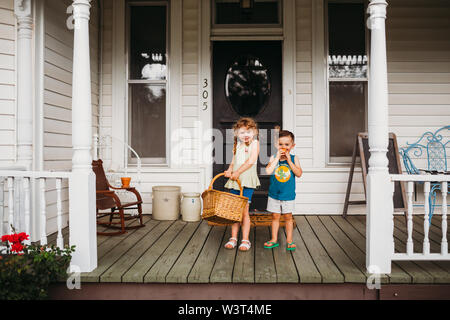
(221, 175)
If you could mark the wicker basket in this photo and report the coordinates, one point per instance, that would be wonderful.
(223, 207)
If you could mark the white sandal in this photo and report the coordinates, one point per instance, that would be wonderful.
(231, 242)
(245, 244)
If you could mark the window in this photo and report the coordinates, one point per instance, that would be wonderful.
(247, 85)
(229, 12)
(147, 81)
(347, 78)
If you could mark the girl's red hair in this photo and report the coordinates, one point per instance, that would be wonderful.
(248, 123)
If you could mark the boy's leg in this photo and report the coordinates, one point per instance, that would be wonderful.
(275, 226)
(274, 206)
(289, 230)
(289, 227)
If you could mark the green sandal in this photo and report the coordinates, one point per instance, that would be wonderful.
(288, 248)
(272, 245)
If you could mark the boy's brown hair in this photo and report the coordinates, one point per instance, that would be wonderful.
(285, 133)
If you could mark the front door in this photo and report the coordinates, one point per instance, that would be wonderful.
(247, 82)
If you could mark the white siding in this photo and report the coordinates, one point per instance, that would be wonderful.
(190, 179)
(419, 87)
(190, 90)
(319, 190)
(303, 112)
(58, 55)
(106, 119)
(418, 45)
(58, 66)
(7, 83)
(419, 93)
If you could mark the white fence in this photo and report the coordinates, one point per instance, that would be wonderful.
(82, 222)
(427, 180)
(18, 185)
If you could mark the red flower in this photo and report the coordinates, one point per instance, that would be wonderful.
(23, 236)
(16, 241)
(14, 238)
(17, 247)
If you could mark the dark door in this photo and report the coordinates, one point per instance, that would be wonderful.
(247, 81)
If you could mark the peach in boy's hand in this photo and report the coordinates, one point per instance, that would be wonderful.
(282, 152)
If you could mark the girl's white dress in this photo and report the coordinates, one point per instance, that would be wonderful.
(249, 178)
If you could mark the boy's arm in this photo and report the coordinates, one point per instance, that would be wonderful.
(296, 168)
(272, 165)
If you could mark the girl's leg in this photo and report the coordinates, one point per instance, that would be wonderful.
(234, 234)
(246, 224)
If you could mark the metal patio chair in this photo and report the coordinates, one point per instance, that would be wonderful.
(434, 144)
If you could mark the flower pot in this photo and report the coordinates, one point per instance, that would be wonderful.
(125, 182)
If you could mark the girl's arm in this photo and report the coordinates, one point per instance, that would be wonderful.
(296, 168)
(247, 164)
(229, 171)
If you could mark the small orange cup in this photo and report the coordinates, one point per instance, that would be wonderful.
(125, 182)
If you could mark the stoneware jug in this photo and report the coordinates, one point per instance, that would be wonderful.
(191, 207)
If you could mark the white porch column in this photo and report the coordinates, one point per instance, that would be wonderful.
(379, 232)
(82, 220)
(81, 89)
(22, 10)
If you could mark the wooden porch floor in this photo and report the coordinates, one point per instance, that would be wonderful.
(330, 249)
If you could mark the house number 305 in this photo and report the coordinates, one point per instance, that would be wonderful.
(205, 93)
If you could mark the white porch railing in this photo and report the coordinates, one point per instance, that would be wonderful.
(426, 254)
(81, 224)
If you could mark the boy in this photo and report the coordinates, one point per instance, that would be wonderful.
(285, 167)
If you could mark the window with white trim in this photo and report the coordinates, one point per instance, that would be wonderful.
(147, 37)
(347, 77)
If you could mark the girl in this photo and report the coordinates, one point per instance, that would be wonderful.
(243, 167)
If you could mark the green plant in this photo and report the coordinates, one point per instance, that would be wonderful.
(27, 270)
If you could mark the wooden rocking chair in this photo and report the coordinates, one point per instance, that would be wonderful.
(107, 199)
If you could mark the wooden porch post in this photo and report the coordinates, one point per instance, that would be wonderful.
(82, 220)
(22, 10)
(379, 232)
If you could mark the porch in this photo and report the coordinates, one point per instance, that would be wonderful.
(330, 249)
(333, 250)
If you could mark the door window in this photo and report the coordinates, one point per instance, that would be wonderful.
(247, 85)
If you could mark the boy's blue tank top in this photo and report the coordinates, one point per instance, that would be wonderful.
(282, 182)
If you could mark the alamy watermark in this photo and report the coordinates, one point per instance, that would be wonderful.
(74, 277)
(374, 280)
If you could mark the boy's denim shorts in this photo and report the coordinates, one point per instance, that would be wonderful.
(248, 193)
